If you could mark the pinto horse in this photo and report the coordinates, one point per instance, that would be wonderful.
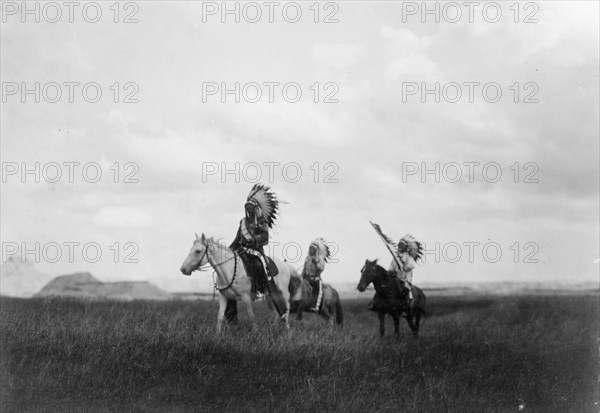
(391, 299)
(232, 281)
(303, 300)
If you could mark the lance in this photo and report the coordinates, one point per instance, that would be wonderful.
(377, 229)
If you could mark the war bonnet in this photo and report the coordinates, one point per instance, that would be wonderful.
(414, 247)
(321, 245)
(265, 203)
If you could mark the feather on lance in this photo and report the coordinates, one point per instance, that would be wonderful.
(390, 245)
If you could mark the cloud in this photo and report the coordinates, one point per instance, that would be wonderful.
(410, 57)
(339, 57)
(368, 134)
(409, 40)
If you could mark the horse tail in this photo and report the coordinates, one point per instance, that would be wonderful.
(339, 314)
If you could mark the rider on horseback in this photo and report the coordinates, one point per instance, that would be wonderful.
(314, 264)
(408, 252)
(405, 254)
(252, 235)
(253, 232)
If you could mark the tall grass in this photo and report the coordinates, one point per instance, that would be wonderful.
(482, 354)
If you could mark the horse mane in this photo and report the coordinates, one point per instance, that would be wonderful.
(374, 262)
(218, 241)
(212, 240)
(379, 270)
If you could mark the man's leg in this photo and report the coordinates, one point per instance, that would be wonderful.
(270, 286)
(409, 285)
(317, 293)
(410, 294)
(401, 284)
(261, 274)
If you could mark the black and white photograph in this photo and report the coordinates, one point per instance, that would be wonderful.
(300, 206)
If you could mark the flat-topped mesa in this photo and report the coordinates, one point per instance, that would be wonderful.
(84, 285)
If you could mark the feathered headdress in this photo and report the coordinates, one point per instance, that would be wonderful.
(412, 246)
(265, 202)
(321, 246)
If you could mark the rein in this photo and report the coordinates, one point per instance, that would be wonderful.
(234, 273)
(380, 279)
(388, 281)
(216, 287)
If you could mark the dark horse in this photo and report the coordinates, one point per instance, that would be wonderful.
(303, 299)
(391, 299)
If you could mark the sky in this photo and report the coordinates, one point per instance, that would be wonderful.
(499, 177)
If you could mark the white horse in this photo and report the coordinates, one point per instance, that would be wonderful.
(232, 281)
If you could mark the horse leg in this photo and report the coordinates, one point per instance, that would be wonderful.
(286, 298)
(339, 313)
(330, 313)
(221, 313)
(231, 311)
(417, 322)
(326, 313)
(396, 325)
(248, 301)
(286, 317)
(300, 310)
(411, 323)
(381, 323)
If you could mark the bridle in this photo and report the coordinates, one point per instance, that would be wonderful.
(370, 275)
(199, 267)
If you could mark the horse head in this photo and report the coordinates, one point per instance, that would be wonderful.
(197, 257)
(367, 275)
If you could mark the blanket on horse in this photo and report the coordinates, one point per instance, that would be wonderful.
(255, 268)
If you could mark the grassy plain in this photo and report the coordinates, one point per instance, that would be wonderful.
(474, 354)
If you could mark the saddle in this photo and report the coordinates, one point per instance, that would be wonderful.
(255, 268)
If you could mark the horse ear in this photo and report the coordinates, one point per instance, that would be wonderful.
(197, 238)
(203, 237)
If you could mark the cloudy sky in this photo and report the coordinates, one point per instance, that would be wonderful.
(515, 196)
